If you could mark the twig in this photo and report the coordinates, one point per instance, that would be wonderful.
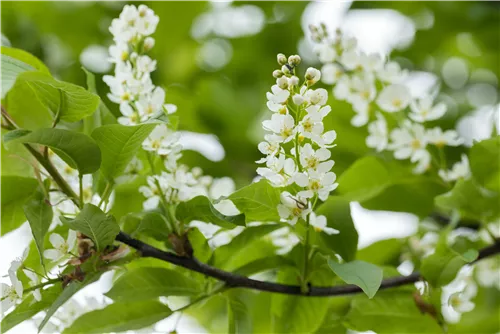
(237, 281)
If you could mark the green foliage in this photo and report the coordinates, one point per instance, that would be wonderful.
(14, 62)
(485, 163)
(76, 149)
(365, 275)
(150, 283)
(65, 101)
(384, 185)
(119, 144)
(153, 225)
(200, 208)
(390, 312)
(39, 213)
(471, 201)
(381, 252)
(15, 191)
(95, 224)
(257, 201)
(201, 249)
(66, 294)
(338, 214)
(119, 317)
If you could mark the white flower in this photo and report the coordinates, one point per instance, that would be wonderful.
(161, 140)
(426, 245)
(130, 116)
(342, 89)
(315, 160)
(152, 192)
(331, 73)
(456, 296)
(362, 92)
(459, 170)
(11, 294)
(284, 239)
(145, 64)
(394, 98)
(422, 110)
(150, 106)
(282, 126)
(408, 140)
(392, 73)
(312, 75)
(269, 147)
(316, 183)
(278, 95)
(61, 247)
(439, 138)
(316, 96)
(460, 302)
(310, 129)
(378, 136)
(149, 43)
(423, 159)
(326, 53)
(319, 224)
(16, 264)
(34, 281)
(118, 53)
(222, 187)
(278, 170)
(292, 208)
(488, 273)
(146, 20)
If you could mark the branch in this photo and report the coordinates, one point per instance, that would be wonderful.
(237, 281)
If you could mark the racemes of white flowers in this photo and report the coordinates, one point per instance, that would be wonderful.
(296, 146)
(396, 121)
(131, 85)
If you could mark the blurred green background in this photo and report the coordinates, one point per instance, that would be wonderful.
(216, 59)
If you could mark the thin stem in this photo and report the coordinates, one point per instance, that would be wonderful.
(41, 285)
(80, 182)
(305, 273)
(106, 193)
(203, 297)
(58, 179)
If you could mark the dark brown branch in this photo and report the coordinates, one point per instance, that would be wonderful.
(237, 281)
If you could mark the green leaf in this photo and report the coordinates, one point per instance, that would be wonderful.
(150, 283)
(154, 225)
(485, 163)
(30, 307)
(383, 185)
(441, 267)
(246, 247)
(95, 224)
(39, 214)
(382, 252)
(16, 61)
(201, 208)
(363, 274)
(258, 201)
(119, 144)
(391, 312)
(338, 214)
(16, 190)
(66, 294)
(74, 102)
(201, 249)
(102, 115)
(120, 317)
(76, 149)
(237, 314)
(263, 264)
(471, 200)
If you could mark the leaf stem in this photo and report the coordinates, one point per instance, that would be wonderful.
(41, 285)
(80, 182)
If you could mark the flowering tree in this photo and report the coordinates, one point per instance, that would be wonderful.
(289, 256)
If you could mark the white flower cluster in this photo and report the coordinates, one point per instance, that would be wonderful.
(182, 185)
(131, 86)
(374, 87)
(297, 146)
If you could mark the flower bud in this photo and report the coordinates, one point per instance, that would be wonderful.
(282, 82)
(277, 74)
(281, 59)
(301, 138)
(312, 75)
(285, 69)
(149, 42)
(197, 172)
(293, 81)
(294, 60)
(298, 99)
(283, 110)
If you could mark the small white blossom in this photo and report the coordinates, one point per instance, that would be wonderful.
(283, 127)
(408, 140)
(378, 136)
(312, 159)
(316, 183)
(394, 98)
(278, 95)
(423, 110)
(331, 73)
(61, 247)
(292, 208)
(11, 294)
(437, 137)
(488, 273)
(319, 224)
(161, 140)
(34, 281)
(278, 170)
(313, 75)
(459, 170)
